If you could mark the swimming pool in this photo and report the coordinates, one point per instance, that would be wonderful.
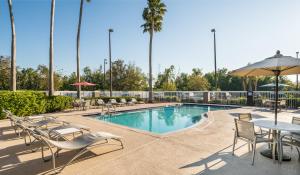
(162, 119)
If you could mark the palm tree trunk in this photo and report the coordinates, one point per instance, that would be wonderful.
(78, 47)
(150, 68)
(13, 79)
(51, 74)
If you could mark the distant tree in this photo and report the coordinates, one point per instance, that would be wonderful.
(4, 72)
(166, 78)
(13, 74)
(182, 82)
(153, 16)
(127, 76)
(197, 82)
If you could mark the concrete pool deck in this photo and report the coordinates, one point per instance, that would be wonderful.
(204, 149)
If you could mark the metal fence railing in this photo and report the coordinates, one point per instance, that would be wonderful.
(216, 97)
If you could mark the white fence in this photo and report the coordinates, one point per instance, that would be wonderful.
(219, 97)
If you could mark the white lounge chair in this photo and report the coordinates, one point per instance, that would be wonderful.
(82, 143)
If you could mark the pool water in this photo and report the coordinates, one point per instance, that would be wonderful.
(162, 119)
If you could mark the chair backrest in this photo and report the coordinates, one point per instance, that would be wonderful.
(282, 102)
(245, 117)
(296, 120)
(87, 103)
(113, 101)
(244, 129)
(123, 100)
(133, 100)
(100, 102)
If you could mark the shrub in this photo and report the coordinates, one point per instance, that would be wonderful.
(58, 103)
(25, 103)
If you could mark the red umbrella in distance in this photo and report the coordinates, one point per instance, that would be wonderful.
(83, 84)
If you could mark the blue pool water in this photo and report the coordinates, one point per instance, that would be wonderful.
(160, 120)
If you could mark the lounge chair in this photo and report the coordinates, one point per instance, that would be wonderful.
(113, 102)
(244, 130)
(108, 105)
(122, 102)
(101, 103)
(86, 104)
(45, 124)
(137, 102)
(82, 143)
(56, 132)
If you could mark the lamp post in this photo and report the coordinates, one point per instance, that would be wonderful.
(104, 73)
(110, 65)
(215, 57)
(297, 85)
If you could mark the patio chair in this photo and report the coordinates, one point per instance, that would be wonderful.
(244, 130)
(248, 117)
(282, 104)
(290, 138)
(81, 143)
(76, 105)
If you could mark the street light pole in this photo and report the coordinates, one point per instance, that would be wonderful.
(110, 65)
(215, 57)
(297, 85)
(104, 73)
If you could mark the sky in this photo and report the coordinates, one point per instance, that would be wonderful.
(246, 31)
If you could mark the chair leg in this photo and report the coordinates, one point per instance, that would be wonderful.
(253, 151)
(298, 153)
(269, 137)
(234, 142)
(248, 147)
(81, 152)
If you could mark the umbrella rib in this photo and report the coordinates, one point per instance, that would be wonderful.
(288, 68)
(250, 72)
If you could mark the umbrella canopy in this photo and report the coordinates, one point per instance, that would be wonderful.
(83, 84)
(275, 65)
(272, 85)
(286, 65)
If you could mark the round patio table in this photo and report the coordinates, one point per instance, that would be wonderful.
(276, 129)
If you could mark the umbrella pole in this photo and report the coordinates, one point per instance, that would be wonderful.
(277, 73)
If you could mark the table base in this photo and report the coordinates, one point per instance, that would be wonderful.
(268, 153)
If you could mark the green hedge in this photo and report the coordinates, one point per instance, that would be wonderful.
(25, 103)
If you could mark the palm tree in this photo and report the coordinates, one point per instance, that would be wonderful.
(13, 79)
(78, 46)
(153, 17)
(51, 74)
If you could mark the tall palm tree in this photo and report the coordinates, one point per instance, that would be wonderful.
(153, 17)
(13, 79)
(51, 74)
(78, 45)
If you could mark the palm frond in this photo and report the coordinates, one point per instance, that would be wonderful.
(153, 16)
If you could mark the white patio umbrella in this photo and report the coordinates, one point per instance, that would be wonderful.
(275, 65)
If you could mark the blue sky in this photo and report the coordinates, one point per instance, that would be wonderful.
(247, 31)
